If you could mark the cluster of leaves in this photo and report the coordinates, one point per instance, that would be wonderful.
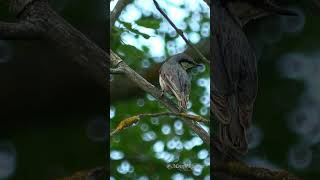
(128, 52)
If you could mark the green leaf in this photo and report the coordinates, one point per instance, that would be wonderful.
(135, 31)
(146, 36)
(126, 25)
(149, 22)
(145, 48)
(131, 52)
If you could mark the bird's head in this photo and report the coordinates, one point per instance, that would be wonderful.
(185, 61)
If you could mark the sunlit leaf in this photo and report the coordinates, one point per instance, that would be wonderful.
(149, 22)
(135, 31)
(132, 53)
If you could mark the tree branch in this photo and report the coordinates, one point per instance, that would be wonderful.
(116, 71)
(151, 74)
(243, 171)
(155, 92)
(18, 6)
(18, 31)
(134, 119)
(38, 20)
(180, 32)
(121, 4)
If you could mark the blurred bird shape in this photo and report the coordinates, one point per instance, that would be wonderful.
(234, 80)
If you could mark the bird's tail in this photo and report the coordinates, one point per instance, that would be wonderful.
(234, 136)
(231, 129)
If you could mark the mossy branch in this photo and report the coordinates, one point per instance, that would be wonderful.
(134, 119)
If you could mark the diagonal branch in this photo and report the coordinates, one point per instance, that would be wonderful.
(38, 20)
(116, 71)
(155, 92)
(180, 32)
(150, 74)
(121, 4)
(134, 119)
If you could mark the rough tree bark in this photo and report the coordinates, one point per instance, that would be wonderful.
(37, 20)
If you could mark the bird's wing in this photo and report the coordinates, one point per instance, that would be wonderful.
(178, 83)
(234, 79)
(185, 86)
(171, 84)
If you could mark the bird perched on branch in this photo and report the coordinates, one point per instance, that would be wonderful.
(234, 79)
(174, 78)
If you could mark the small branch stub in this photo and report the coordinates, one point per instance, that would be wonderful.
(115, 59)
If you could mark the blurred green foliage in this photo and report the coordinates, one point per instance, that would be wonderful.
(145, 149)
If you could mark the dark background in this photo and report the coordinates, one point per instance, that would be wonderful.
(52, 114)
(287, 85)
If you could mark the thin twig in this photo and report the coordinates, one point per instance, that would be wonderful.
(134, 119)
(180, 32)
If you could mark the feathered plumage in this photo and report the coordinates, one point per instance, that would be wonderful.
(174, 78)
(234, 79)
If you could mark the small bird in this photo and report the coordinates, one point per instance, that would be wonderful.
(234, 80)
(174, 79)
